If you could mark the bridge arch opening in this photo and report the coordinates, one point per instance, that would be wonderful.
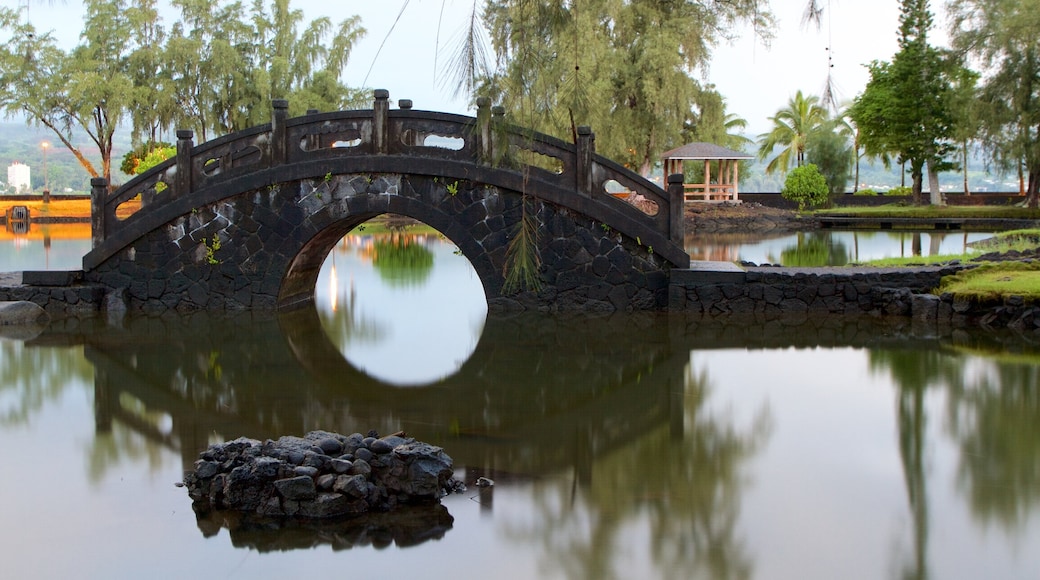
(400, 301)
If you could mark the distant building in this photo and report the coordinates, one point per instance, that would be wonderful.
(18, 177)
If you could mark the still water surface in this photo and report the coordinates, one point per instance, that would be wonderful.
(646, 446)
(830, 247)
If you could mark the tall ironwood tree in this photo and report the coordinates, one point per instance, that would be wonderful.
(623, 68)
(215, 71)
(905, 107)
(1002, 36)
(87, 89)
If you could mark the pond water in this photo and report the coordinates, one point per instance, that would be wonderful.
(830, 247)
(630, 446)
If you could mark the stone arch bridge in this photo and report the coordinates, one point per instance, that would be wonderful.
(247, 220)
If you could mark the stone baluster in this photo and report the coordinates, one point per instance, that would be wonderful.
(279, 136)
(484, 129)
(182, 179)
(98, 213)
(381, 122)
(313, 139)
(586, 148)
(498, 119)
(676, 207)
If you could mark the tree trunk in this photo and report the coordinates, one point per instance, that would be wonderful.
(1021, 181)
(934, 195)
(915, 187)
(967, 191)
(855, 186)
(1034, 190)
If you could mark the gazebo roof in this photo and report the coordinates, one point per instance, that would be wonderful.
(704, 151)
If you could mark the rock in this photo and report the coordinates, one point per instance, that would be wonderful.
(330, 505)
(360, 467)
(297, 488)
(429, 469)
(326, 481)
(331, 446)
(380, 446)
(307, 470)
(352, 485)
(295, 477)
(341, 465)
(22, 313)
(206, 469)
(353, 442)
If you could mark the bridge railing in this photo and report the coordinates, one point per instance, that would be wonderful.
(486, 140)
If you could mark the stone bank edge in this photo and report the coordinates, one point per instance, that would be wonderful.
(771, 292)
(706, 291)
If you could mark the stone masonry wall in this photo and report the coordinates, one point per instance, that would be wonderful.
(263, 249)
(768, 292)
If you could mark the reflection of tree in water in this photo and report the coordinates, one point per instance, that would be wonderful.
(993, 410)
(345, 325)
(913, 372)
(995, 418)
(30, 378)
(686, 477)
(402, 260)
(814, 249)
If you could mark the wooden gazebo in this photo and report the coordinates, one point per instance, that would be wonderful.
(726, 174)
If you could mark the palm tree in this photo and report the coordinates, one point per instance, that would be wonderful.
(791, 128)
(735, 138)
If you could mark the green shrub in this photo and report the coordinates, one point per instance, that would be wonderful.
(830, 153)
(133, 160)
(867, 191)
(901, 190)
(806, 186)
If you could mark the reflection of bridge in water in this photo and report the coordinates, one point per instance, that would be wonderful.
(535, 396)
(529, 410)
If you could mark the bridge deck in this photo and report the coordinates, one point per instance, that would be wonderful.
(701, 273)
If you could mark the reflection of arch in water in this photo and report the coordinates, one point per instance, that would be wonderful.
(608, 384)
(557, 405)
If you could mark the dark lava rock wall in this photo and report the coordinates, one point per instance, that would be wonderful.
(321, 475)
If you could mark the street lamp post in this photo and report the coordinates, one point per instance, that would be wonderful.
(46, 177)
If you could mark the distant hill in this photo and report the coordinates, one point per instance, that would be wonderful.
(875, 176)
(22, 143)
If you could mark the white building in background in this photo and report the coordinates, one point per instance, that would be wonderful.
(18, 177)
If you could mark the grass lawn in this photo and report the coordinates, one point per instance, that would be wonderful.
(1020, 240)
(997, 280)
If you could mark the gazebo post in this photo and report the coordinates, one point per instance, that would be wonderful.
(707, 179)
(736, 180)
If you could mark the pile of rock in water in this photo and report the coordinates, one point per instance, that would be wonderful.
(320, 475)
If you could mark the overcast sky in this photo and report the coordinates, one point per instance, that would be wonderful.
(756, 80)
